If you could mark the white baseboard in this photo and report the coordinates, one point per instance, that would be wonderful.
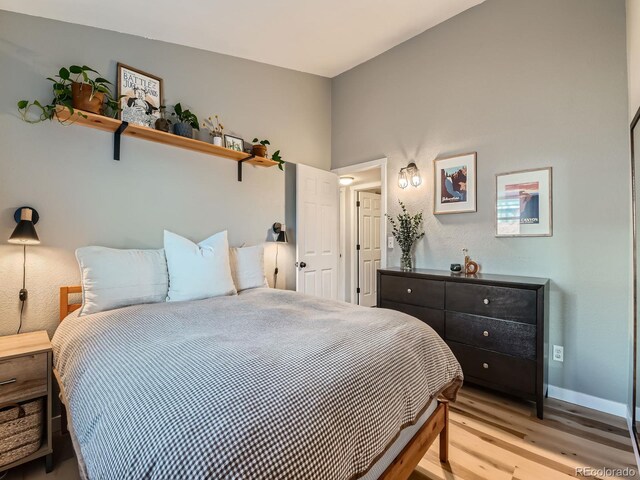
(633, 442)
(601, 404)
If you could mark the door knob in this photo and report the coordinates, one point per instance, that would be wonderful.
(302, 264)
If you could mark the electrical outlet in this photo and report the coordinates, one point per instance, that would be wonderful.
(390, 242)
(558, 353)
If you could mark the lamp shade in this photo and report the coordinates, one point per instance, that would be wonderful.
(25, 232)
(281, 233)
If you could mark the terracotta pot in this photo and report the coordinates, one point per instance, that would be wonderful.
(259, 150)
(83, 99)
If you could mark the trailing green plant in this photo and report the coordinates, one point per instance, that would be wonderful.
(185, 116)
(406, 229)
(63, 96)
(277, 158)
(264, 143)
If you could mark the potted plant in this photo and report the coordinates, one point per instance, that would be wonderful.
(73, 88)
(215, 129)
(260, 148)
(187, 122)
(407, 230)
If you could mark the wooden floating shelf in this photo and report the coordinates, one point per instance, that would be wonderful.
(114, 125)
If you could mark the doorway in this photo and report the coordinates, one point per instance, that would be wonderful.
(362, 244)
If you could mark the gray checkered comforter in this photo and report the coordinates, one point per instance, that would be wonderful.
(266, 384)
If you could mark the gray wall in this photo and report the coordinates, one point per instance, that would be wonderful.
(525, 84)
(84, 197)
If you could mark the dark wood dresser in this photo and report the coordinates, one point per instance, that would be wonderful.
(496, 325)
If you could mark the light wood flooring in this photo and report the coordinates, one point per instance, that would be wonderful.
(492, 437)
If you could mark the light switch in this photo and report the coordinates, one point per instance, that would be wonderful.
(390, 242)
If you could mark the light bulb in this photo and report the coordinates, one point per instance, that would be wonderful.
(416, 179)
(403, 181)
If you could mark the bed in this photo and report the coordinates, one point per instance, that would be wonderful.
(264, 384)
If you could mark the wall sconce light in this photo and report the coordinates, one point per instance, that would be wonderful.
(24, 234)
(345, 181)
(281, 237)
(409, 174)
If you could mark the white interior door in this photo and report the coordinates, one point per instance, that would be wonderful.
(317, 232)
(369, 254)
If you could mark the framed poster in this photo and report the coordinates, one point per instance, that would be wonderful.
(140, 95)
(455, 184)
(524, 204)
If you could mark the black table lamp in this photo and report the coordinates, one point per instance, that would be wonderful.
(24, 234)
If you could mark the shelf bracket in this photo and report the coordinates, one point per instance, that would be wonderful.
(116, 139)
(240, 162)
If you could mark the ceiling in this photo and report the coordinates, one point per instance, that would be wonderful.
(323, 37)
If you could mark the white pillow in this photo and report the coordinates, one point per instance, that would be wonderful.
(113, 278)
(247, 267)
(198, 271)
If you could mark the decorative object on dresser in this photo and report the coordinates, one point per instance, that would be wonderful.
(24, 234)
(407, 230)
(140, 96)
(524, 204)
(496, 325)
(455, 184)
(187, 121)
(25, 399)
(409, 175)
(470, 267)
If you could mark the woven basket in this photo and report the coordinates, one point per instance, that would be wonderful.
(21, 429)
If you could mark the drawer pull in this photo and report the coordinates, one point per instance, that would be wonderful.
(486, 301)
(7, 382)
(408, 290)
(485, 365)
(485, 333)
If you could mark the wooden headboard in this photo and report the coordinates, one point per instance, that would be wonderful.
(66, 307)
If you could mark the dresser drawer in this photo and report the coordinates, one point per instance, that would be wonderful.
(504, 371)
(433, 318)
(513, 338)
(412, 291)
(499, 302)
(23, 377)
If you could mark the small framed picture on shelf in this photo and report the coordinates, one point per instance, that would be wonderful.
(140, 96)
(524, 206)
(455, 184)
(234, 143)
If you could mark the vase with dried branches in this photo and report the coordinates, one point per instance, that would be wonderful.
(407, 230)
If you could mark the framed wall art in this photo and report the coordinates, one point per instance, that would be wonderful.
(455, 184)
(234, 143)
(140, 96)
(524, 206)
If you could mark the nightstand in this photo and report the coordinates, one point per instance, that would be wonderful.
(25, 375)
